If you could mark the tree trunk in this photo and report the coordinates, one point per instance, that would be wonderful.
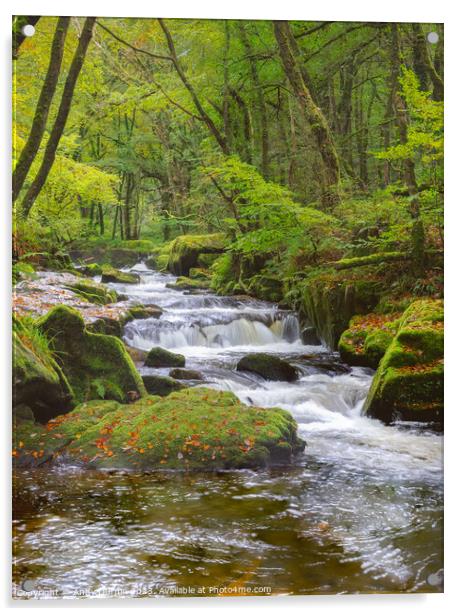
(39, 122)
(312, 115)
(61, 117)
(19, 21)
(264, 131)
(202, 112)
(423, 66)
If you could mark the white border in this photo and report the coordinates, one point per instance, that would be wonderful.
(447, 11)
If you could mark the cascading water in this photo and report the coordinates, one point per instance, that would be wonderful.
(360, 511)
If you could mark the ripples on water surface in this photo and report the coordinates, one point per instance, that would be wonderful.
(361, 511)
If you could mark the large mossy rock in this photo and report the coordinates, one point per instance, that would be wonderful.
(161, 385)
(142, 311)
(409, 382)
(93, 292)
(185, 250)
(194, 429)
(367, 339)
(268, 366)
(161, 358)
(96, 365)
(329, 299)
(184, 283)
(111, 274)
(38, 381)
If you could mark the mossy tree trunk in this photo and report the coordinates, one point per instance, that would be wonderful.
(61, 117)
(39, 122)
(313, 116)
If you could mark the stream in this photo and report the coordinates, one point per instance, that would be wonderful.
(361, 510)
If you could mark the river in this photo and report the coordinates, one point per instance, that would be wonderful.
(360, 511)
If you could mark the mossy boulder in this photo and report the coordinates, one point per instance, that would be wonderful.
(142, 311)
(205, 260)
(106, 325)
(185, 284)
(23, 271)
(96, 365)
(161, 358)
(186, 375)
(110, 274)
(409, 382)
(38, 381)
(268, 366)
(329, 299)
(198, 273)
(161, 385)
(185, 250)
(91, 269)
(193, 429)
(367, 339)
(93, 292)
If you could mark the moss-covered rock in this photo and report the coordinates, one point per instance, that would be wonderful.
(185, 250)
(161, 358)
(329, 300)
(194, 429)
(91, 269)
(367, 339)
(106, 325)
(38, 381)
(185, 284)
(161, 385)
(93, 292)
(142, 311)
(205, 260)
(198, 273)
(96, 365)
(22, 270)
(268, 366)
(409, 382)
(186, 375)
(110, 274)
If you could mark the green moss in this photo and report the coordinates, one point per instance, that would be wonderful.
(199, 273)
(161, 385)
(329, 299)
(96, 365)
(184, 283)
(206, 260)
(409, 382)
(110, 274)
(93, 292)
(141, 311)
(38, 381)
(185, 250)
(139, 246)
(91, 269)
(21, 271)
(367, 339)
(195, 429)
(161, 358)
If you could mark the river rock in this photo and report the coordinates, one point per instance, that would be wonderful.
(186, 375)
(269, 367)
(161, 358)
(367, 339)
(93, 292)
(110, 274)
(409, 382)
(160, 385)
(38, 381)
(309, 336)
(186, 284)
(95, 365)
(195, 429)
(91, 269)
(106, 325)
(141, 311)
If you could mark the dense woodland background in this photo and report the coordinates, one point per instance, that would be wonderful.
(305, 141)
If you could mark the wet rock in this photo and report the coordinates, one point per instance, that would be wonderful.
(309, 336)
(409, 382)
(367, 339)
(140, 311)
(161, 385)
(186, 375)
(93, 292)
(91, 269)
(269, 367)
(110, 274)
(95, 365)
(106, 325)
(184, 283)
(137, 355)
(161, 358)
(156, 433)
(38, 381)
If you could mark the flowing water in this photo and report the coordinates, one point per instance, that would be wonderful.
(360, 511)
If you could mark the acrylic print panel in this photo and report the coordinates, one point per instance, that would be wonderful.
(228, 341)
